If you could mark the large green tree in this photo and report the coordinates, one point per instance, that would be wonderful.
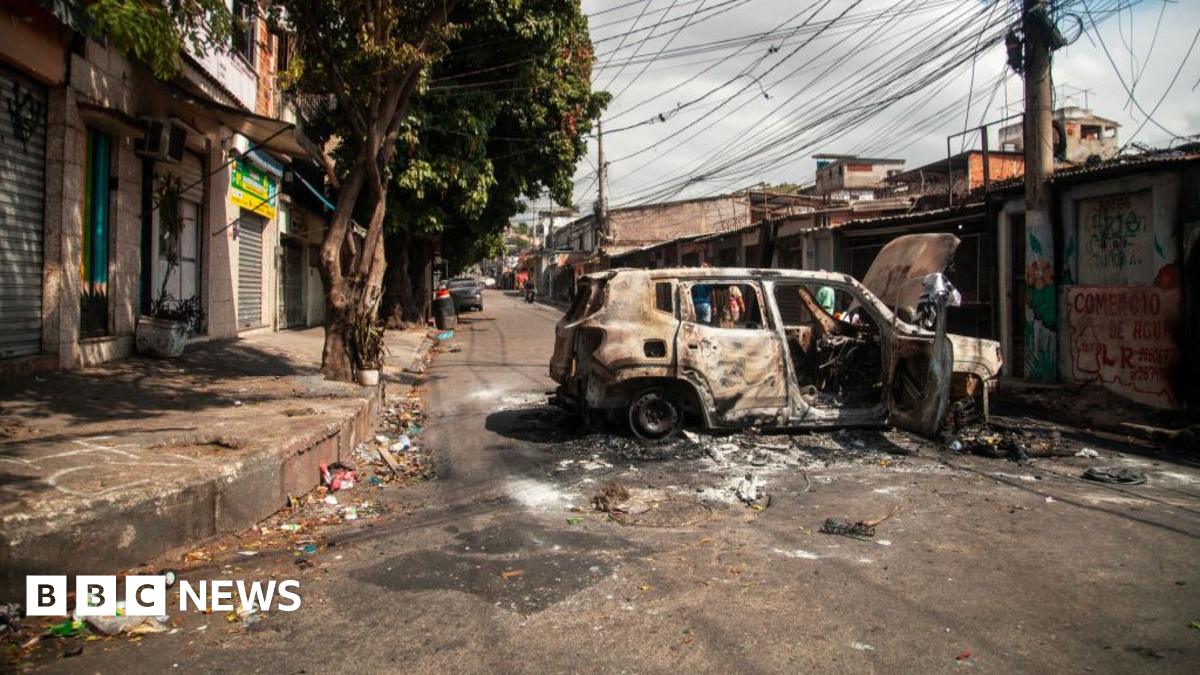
(502, 118)
(364, 61)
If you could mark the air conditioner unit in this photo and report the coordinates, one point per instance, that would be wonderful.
(162, 139)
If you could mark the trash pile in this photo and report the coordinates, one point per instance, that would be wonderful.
(1015, 444)
(393, 454)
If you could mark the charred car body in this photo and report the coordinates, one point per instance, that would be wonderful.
(774, 348)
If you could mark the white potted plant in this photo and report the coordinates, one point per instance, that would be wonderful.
(366, 341)
(164, 332)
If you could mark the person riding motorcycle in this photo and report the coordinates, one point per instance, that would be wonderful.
(530, 290)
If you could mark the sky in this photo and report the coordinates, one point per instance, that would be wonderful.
(886, 78)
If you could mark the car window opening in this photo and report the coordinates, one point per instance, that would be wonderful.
(835, 350)
(727, 305)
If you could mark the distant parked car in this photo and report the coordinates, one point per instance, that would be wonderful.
(467, 294)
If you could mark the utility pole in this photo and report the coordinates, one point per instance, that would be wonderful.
(602, 206)
(1041, 306)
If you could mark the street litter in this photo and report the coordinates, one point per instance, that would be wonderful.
(1088, 453)
(331, 500)
(511, 574)
(10, 617)
(1114, 475)
(748, 492)
(309, 549)
(350, 513)
(445, 335)
(129, 625)
(611, 498)
(337, 476)
(68, 628)
(250, 615)
(290, 527)
(862, 529)
(402, 444)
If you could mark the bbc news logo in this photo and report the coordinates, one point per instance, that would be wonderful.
(146, 595)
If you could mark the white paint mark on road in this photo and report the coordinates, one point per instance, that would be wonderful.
(798, 553)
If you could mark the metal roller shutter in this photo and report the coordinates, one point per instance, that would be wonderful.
(250, 257)
(22, 203)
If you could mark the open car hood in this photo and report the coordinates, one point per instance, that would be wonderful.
(896, 275)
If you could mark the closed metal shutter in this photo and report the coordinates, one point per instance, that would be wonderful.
(250, 257)
(22, 205)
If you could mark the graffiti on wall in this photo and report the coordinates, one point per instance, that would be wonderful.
(1126, 338)
(1116, 240)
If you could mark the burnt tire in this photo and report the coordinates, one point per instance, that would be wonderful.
(655, 415)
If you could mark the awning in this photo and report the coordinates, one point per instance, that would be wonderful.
(264, 132)
(316, 193)
(265, 162)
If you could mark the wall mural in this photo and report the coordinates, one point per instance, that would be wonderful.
(1041, 307)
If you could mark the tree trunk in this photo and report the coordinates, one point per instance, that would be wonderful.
(396, 287)
(420, 268)
(406, 285)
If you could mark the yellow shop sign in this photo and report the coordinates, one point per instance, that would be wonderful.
(252, 189)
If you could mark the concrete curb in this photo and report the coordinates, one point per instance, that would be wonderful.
(120, 533)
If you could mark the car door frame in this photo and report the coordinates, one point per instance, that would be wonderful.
(697, 359)
(801, 413)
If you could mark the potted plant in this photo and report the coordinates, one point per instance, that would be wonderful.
(165, 331)
(368, 348)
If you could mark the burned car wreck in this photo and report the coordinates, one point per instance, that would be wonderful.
(777, 349)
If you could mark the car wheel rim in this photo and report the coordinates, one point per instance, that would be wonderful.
(654, 416)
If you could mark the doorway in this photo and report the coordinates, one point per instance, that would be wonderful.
(1016, 293)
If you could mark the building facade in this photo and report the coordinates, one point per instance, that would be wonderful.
(94, 150)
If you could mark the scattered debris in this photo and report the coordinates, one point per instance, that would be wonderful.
(402, 444)
(1017, 444)
(67, 628)
(445, 335)
(862, 529)
(1114, 475)
(857, 530)
(129, 625)
(337, 476)
(1088, 453)
(862, 647)
(966, 654)
(748, 492)
(611, 497)
(10, 617)
(511, 574)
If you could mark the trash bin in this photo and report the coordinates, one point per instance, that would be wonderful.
(443, 310)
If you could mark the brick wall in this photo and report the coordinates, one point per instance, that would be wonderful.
(264, 68)
(661, 222)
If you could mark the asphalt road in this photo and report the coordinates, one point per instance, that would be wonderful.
(984, 565)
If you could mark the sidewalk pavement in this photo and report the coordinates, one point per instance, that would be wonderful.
(108, 467)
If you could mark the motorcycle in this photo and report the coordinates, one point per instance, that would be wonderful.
(529, 293)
